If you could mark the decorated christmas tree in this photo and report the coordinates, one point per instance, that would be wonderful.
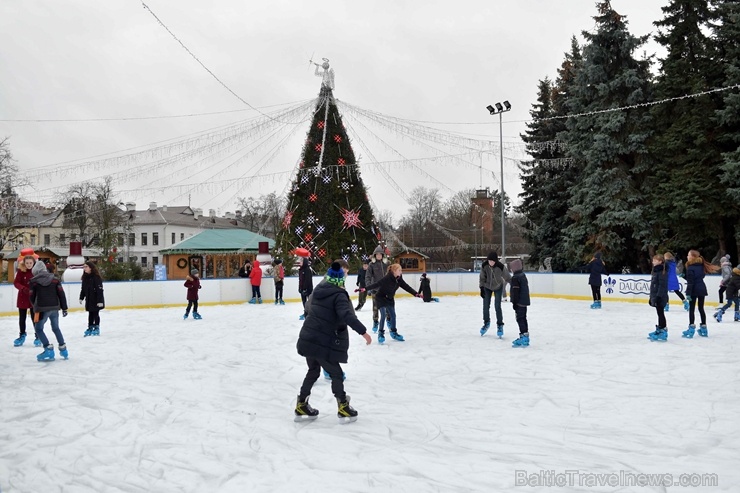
(328, 210)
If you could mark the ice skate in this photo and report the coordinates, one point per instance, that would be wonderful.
(436, 300)
(689, 333)
(660, 334)
(686, 305)
(259, 301)
(197, 316)
(375, 326)
(718, 315)
(396, 336)
(47, 355)
(595, 305)
(381, 336)
(703, 330)
(89, 331)
(667, 307)
(96, 330)
(485, 328)
(63, 351)
(737, 316)
(19, 342)
(500, 331)
(276, 302)
(345, 412)
(184, 317)
(302, 317)
(523, 340)
(253, 301)
(37, 342)
(281, 302)
(304, 411)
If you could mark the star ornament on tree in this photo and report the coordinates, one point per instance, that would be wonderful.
(351, 219)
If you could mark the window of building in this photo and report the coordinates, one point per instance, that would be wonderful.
(73, 237)
(182, 236)
(409, 263)
(155, 260)
(120, 239)
(33, 239)
(143, 239)
(132, 239)
(47, 240)
(155, 238)
(62, 239)
(173, 238)
(143, 261)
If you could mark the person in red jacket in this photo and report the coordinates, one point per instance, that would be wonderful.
(22, 280)
(192, 282)
(256, 279)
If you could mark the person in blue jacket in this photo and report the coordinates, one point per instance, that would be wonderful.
(673, 284)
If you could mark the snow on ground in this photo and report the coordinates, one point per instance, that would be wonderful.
(162, 404)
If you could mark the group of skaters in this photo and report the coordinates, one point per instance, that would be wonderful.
(41, 296)
(664, 279)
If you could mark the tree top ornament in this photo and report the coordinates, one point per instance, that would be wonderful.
(327, 75)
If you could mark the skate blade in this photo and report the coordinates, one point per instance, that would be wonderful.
(343, 420)
(304, 419)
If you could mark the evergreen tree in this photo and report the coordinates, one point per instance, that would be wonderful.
(328, 212)
(685, 142)
(726, 34)
(608, 148)
(547, 178)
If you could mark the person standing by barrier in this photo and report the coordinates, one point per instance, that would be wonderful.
(492, 280)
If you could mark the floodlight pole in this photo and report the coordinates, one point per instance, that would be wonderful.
(500, 110)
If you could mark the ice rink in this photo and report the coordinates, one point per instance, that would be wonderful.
(162, 404)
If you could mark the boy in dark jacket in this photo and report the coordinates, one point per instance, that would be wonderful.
(659, 297)
(375, 272)
(47, 297)
(324, 342)
(596, 269)
(361, 283)
(305, 284)
(492, 281)
(386, 291)
(520, 301)
(733, 295)
(192, 282)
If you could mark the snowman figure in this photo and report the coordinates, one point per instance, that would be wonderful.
(264, 258)
(75, 262)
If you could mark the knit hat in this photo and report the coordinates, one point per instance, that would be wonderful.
(492, 256)
(424, 275)
(379, 249)
(38, 267)
(335, 274)
(515, 265)
(278, 261)
(193, 272)
(725, 259)
(597, 255)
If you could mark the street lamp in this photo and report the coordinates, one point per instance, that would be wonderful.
(500, 110)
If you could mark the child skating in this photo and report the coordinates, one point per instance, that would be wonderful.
(596, 269)
(91, 293)
(519, 295)
(659, 297)
(278, 275)
(673, 284)
(47, 297)
(492, 281)
(696, 291)
(22, 283)
(425, 288)
(324, 342)
(386, 291)
(733, 295)
(192, 282)
(255, 279)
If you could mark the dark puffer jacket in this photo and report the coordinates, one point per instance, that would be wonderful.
(92, 292)
(46, 291)
(387, 287)
(659, 286)
(695, 286)
(324, 333)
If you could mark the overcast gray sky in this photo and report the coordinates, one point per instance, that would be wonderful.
(436, 61)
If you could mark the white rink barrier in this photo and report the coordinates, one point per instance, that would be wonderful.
(154, 294)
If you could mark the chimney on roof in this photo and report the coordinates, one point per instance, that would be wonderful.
(197, 213)
(130, 206)
(164, 208)
(238, 214)
(152, 207)
(212, 212)
(229, 215)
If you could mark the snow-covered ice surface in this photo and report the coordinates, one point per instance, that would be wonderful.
(162, 404)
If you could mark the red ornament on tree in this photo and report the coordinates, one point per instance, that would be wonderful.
(351, 218)
(318, 147)
(321, 253)
(337, 138)
(313, 197)
(320, 124)
(341, 161)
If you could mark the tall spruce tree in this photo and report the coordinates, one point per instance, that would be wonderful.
(685, 145)
(608, 148)
(328, 212)
(726, 32)
(547, 177)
